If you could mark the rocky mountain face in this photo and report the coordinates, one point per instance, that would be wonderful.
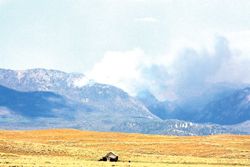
(67, 84)
(176, 127)
(243, 127)
(40, 98)
(162, 109)
(91, 105)
(232, 109)
(224, 107)
(33, 104)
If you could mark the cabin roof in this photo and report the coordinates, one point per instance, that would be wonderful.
(111, 155)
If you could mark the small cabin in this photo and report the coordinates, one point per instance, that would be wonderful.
(110, 157)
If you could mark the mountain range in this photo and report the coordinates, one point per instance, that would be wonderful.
(41, 98)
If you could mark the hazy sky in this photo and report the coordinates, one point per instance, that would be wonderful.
(133, 44)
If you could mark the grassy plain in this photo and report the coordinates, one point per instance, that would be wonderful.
(83, 148)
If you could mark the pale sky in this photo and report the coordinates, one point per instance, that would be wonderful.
(133, 44)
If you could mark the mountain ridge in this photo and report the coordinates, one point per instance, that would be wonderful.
(95, 106)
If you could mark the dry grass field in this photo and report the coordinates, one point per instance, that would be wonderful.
(83, 148)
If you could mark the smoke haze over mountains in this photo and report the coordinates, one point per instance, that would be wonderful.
(172, 48)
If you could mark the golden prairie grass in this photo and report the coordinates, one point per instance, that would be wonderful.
(83, 148)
